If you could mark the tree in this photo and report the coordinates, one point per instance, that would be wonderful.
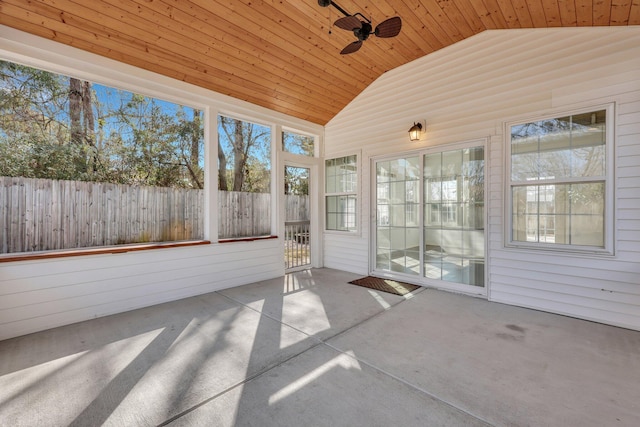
(34, 125)
(189, 135)
(75, 110)
(154, 143)
(82, 123)
(296, 181)
(57, 127)
(247, 146)
(298, 144)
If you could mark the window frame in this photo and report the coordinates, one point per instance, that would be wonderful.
(287, 129)
(273, 144)
(356, 194)
(70, 66)
(34, 51)
(608, 180)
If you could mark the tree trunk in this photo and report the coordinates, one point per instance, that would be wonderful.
(75, 118)
(75, 110)
(87, 115)
(238, 157)
(222, 169)
(89, 123)
(195, 139)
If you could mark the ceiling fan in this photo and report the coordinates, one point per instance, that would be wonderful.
(362, 28)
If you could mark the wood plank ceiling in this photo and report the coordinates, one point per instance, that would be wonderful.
(284, 54)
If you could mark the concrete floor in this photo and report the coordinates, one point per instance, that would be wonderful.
(311, 350)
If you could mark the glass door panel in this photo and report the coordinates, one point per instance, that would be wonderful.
(454, 216)
(297, 225)
(397, 223)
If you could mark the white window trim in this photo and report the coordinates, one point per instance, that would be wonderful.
(358, 192)
(275, 140)
(30, 50)
(609, 181)
(315, 136)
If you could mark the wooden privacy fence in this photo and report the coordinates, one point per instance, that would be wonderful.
(243, 214)
(41, 214)
(249, 214)
(296, 208)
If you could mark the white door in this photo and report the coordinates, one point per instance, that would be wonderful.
(297, 217)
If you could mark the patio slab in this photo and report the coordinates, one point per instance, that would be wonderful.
(141, 367)
(318, 302)
(311, 349)
(323, 387)
(507, 365)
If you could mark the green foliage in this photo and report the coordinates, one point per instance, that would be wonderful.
(244, 156)
(119, 136)
(296, 180)
(298, 144)
(37, 159)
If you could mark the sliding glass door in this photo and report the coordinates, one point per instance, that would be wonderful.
(398, 216)
(454, 216)
(430, 218)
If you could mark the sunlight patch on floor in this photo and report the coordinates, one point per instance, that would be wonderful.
(16, 383)
(176, 378)
(72, 382)
(297, 281)
(379, 299)
(305, 311)
(344, 361)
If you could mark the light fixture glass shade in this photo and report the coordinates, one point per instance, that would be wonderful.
(414, 132)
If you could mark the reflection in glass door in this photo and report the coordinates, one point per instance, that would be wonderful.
(454, 216)
(398, 221)
(439, 236)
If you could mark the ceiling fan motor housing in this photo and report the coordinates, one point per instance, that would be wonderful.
(363, 32)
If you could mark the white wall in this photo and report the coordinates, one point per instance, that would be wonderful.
(468, 91)
(36, 295)
(41, 294)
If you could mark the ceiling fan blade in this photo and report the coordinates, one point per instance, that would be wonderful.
(389, 28)
(351, 47)
(348, 23)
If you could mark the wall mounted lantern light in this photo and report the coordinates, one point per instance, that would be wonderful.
(414, 132)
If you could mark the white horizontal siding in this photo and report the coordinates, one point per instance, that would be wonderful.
(468, 91)
(348, 253)
(628, 177)
(572, 306)
(47, 287)
(36, 295)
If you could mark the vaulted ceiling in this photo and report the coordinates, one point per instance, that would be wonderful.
(285, 54)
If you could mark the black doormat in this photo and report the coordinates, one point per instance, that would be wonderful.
(385, 285)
